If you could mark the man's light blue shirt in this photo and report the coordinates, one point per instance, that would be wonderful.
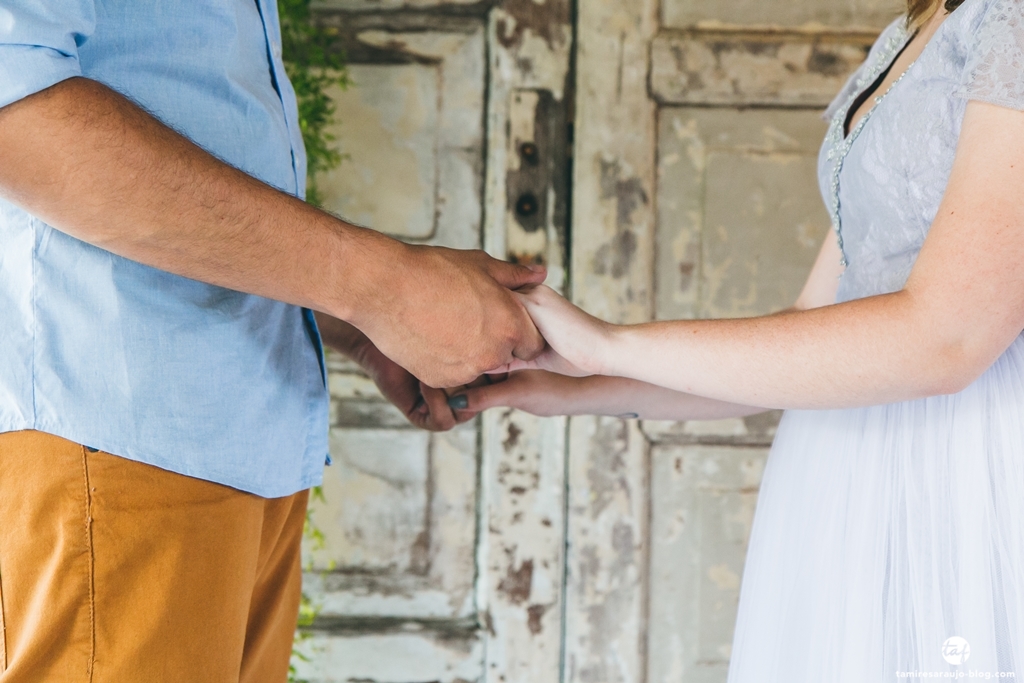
(131, 360)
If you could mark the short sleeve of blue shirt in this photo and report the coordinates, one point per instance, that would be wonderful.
(39, 42)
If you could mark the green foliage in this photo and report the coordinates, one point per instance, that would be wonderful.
(313, 66)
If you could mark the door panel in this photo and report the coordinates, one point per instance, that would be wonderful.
(740, 217)
(695, 196)
(814, 15)
(395, 578)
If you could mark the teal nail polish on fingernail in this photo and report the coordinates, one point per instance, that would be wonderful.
(629, 416)
(460, 402)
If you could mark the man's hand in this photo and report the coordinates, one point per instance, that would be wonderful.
(425, 407)
(447, 315)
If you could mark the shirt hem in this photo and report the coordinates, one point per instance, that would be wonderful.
(306, 481)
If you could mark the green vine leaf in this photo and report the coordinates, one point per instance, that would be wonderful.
(313, 65)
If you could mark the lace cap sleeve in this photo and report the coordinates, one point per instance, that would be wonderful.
(994, 71)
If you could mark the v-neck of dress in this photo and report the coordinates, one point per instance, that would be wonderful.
(873, 88)
(869, 85)
(842, 141)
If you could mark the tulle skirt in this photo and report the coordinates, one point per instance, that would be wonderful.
(888, 542)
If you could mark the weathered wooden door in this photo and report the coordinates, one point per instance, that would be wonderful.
(659, 158)
(443, 554)
(695, 195)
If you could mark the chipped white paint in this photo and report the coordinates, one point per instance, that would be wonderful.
(388, 127)
(613, 244)
(364, 5)
(806, 15)
(606, 595)
(613, 216)
(521, 554)
(392, 658)
(703, 501)
(742, 69)
(376, 509)
(414, 135)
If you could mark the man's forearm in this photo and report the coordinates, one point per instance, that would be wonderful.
(92, 164)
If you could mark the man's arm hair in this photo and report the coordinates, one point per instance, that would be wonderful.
(91, 163)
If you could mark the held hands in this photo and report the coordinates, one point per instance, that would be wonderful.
(449, 316)
(576, 343)
(558, 381)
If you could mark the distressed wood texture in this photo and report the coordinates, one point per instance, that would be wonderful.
(704, 497)
(394, 5)
(521, 554)
(810, 15)
(612, 269)
(412, 129)
(397, 655)
(750, 68)
(740, 215)
(396, 577)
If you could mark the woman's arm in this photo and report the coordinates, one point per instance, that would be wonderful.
(962, 306)
(548, 393)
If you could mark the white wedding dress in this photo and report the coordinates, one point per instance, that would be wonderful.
(888, 540)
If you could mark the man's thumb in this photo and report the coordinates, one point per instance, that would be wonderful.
(514, 276)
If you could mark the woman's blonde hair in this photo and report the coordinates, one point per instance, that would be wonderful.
(919, 11)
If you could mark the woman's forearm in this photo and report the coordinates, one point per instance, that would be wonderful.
(625, 397)
(547, 394)
(869, 351)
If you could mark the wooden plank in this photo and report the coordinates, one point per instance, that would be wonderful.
(749, 68)
(399, 656)
(612, 272)
(521, 553)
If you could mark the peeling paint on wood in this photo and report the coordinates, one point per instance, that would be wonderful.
(522, 547)
(523, 541)
(606, 594)
(613, 215)
(703, 498)
(392, 658)
(739, 207)
(808, 15)
(613, 245)
(745, 69)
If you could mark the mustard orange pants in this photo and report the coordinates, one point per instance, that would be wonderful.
(112, 571)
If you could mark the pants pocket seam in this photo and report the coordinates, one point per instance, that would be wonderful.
(92, 562)
(3, 628)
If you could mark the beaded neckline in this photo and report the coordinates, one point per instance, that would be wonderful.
(839, 146)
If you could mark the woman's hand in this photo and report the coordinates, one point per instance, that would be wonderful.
(578, 344)
(534, 391)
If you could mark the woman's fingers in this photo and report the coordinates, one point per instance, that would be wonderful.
(477, 399)
(517, 364)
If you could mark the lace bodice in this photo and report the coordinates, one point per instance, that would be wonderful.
(883, 183)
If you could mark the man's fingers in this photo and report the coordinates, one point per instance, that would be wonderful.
(530, 343)
(514, 276)
(441, 417)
